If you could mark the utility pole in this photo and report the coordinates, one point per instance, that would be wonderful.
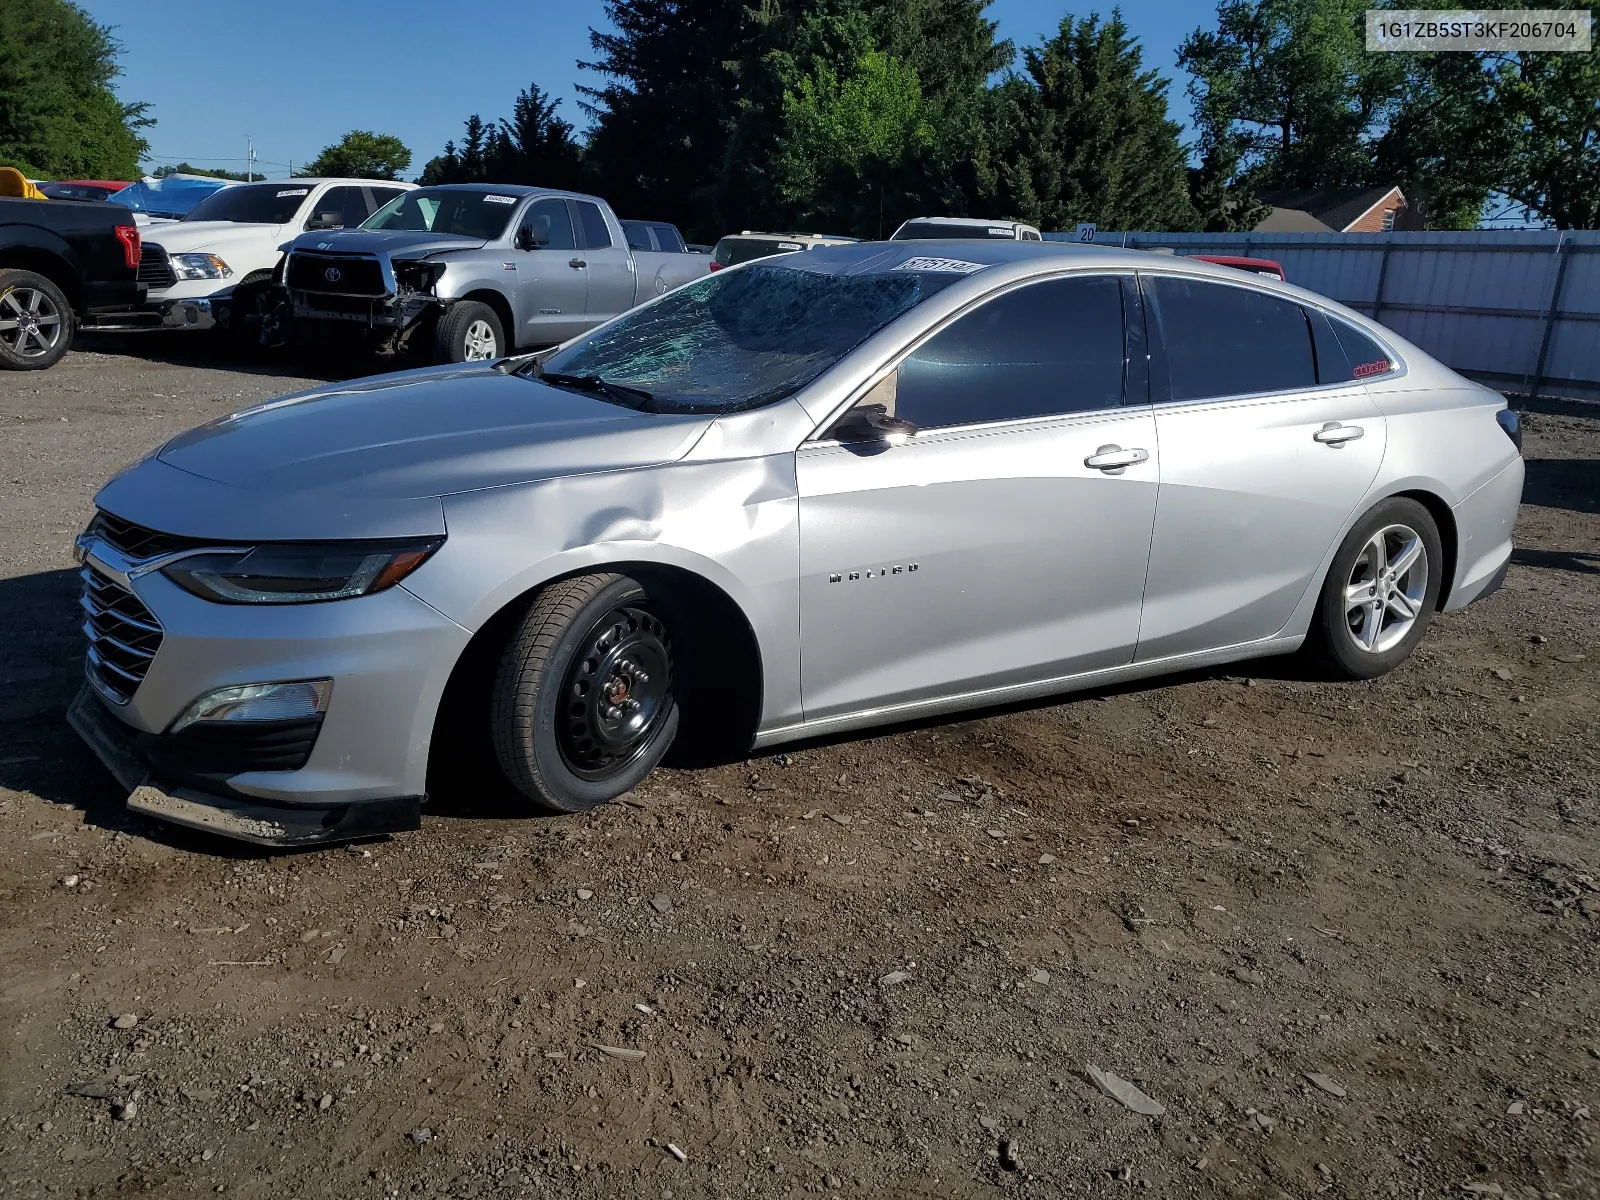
(249, 159)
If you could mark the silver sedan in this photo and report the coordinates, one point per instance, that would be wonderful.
(855, 485)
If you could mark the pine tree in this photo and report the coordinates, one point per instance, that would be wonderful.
(661, 120)
(535, 146)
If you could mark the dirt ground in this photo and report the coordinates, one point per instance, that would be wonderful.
(1348, 936)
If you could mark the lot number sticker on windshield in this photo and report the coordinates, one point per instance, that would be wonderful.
(293, 192)
(959, 266)
(499, 199)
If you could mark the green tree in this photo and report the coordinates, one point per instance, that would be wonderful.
(59, 117)
(663, 115)
(184, 168)
(1092, 137)
(535, 146)
(469, 163)
(361, 154)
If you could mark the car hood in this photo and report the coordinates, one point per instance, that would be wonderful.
(373, 457)
(182, 237)
(398, 244)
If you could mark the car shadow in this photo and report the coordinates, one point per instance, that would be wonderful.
(1572, 484)
(1583, 562)
(175, 348)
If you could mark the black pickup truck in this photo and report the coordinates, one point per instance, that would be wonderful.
(62, 264)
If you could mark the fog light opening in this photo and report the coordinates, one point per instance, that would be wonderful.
(294, 701)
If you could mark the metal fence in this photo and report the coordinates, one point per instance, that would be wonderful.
(1519, 311)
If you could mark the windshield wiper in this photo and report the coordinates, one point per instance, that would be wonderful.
(628, 397)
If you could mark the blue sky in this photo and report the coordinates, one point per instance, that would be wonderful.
(295, 78)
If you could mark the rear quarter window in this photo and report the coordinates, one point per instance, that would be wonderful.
(1367, 359)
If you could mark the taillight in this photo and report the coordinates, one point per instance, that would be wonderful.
(1511, 422)
(715, 265)
(128, 235)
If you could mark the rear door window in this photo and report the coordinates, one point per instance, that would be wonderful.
(1040, 350)
(596, 234)
(1230, 341)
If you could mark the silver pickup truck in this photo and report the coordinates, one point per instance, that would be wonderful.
(472, 271)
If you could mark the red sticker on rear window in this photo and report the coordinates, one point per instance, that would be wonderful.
(1362, 370)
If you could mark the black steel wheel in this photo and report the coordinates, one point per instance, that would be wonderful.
(583, 705)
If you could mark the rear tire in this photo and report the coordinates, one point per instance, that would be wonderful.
(584, 705)
(36, 322)
(1381, 591)
(469, 331)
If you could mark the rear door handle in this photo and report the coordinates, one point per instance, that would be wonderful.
(1114, 460)
(576, 263)
(1335, 434)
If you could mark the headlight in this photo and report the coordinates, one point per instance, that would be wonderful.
(200, 266)
(300, 574)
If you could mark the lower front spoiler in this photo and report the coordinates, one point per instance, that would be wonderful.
(247, 820)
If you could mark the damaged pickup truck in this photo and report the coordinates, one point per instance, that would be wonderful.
(464, 272)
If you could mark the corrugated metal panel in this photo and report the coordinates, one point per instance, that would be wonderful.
(1478, 301)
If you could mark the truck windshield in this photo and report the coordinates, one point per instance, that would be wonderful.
(744, 338)
(467, 213)
(253, 203)
(915, 231)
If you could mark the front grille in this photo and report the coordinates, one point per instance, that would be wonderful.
(123, 636)
(340, 274)
(154, 268)
(136, 541)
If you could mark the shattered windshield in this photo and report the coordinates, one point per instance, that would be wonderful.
(741, 339)
(465, 213)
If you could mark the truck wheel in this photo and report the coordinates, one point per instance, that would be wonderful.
(469, 332)
(36, 322)
(260, 314)
(584, 703)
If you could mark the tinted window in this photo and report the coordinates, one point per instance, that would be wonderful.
(341, 205)
(380, 197)
(638, 235)
(1367, 358)
(731, 251)
(1047, 348)
(551, 224)
(596, 236)
(913, 231)
(261, 203)
(465, 213)
(1229, 341)
(668, 238)
(745, 338)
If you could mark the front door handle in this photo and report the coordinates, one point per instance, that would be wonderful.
(1114, 460)
(576, 263)
(1335, 434)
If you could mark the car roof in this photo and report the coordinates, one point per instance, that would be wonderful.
(791, 237)
(864, 258)
(966, 221)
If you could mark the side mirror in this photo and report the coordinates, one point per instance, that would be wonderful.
(326, 220)
(872, 423)
(527, 239)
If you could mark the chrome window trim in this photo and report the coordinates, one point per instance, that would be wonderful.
(815, 438)
(1400, 371)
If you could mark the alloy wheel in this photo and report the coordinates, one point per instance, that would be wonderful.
(479, 342)
(30, 323)
(614, 694)
(1387, 586)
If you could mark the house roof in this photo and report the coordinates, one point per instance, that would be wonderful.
(1319, 209)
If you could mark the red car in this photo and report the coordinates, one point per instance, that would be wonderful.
(1256, 266)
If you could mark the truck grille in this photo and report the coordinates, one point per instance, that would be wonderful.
(336, 274)
(123, 636)
(155, 269)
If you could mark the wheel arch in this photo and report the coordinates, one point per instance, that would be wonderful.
(502, 309)
(722, 709)
(41, 261)
(1449, 536)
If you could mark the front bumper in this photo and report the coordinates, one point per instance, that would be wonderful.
(360, 768)
(121, 749)
(196, 313)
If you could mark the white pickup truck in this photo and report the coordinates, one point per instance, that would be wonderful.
(217, 263)
(475, 270)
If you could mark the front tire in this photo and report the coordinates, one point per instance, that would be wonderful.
(469, 331)
(1381, 591)
(583, 706)
(36, 322)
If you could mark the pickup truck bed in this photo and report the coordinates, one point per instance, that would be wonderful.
(63, 263)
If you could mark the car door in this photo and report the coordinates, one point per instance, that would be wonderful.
(1267, 446)
(609, 265)
(552, 283)
(1006, 541)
